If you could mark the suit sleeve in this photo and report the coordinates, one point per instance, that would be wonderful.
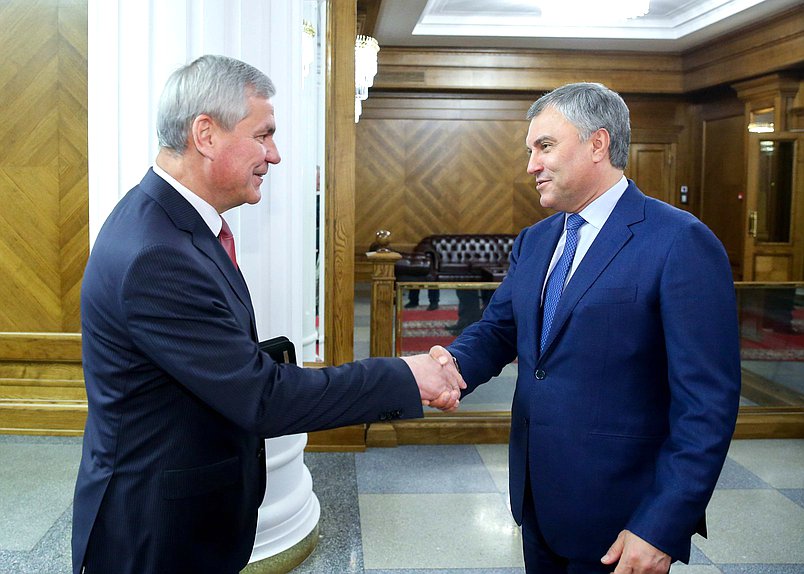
(179, 317)
(487, 346)
(699, 318)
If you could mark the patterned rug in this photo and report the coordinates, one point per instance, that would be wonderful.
(765, 339)
(421, 329)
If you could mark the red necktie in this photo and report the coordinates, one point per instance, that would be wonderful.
(227, 240)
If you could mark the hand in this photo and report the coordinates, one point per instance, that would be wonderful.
(439, 382)
(636, 556)
(446, 360)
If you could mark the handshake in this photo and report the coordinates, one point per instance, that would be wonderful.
(438, 378)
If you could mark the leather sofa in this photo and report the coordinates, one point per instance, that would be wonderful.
(460, 258)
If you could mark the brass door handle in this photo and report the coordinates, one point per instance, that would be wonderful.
(753, 217)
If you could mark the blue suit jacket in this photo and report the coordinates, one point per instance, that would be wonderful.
(626, 419)
(180, 397)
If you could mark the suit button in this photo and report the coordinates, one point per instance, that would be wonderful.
(383, 416)
(540, 374)
(260, 451)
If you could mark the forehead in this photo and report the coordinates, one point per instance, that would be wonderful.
(260, 111)
(550, 124)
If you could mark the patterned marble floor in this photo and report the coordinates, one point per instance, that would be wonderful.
(425, 510)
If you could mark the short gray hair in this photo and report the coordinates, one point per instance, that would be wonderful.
(589, 107)
(214, 85)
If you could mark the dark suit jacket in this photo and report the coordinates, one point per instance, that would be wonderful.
(626, 419)
(180, 397)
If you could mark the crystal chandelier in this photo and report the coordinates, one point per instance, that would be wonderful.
(592, 10)
(366, 49)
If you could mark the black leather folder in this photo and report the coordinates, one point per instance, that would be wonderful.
(280, 349)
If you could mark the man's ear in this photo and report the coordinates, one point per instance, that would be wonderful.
(202, 132)
(600, 144)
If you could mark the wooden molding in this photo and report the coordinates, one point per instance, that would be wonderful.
(382, 302)
(529, 71)
(770, 422)
(340, 183)
(344, 439)
(776, 44)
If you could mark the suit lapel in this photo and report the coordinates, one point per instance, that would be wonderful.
(536, 274)
(186, 218)
(612, 238)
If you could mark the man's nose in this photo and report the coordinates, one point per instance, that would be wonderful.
(534, 165)
(272, 154)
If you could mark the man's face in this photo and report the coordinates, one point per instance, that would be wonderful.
(244, 154)
(561, 163)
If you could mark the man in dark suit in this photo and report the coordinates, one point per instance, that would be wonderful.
(180, 395)
(628, 380)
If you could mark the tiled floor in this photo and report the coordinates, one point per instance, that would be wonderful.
(425, 510)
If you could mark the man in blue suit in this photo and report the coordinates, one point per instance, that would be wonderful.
(180, 395)
(628, 357)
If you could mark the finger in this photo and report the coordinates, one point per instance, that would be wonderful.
(447, 400)
(615, 550)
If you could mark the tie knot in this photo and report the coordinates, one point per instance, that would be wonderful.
(574, 221)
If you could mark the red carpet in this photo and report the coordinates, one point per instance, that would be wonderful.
(421, 329)
(762, 340)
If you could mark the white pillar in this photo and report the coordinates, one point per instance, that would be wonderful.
(133, 48)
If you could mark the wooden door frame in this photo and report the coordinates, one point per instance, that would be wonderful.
(795, 248)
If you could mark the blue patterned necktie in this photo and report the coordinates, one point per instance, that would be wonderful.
(555, 283)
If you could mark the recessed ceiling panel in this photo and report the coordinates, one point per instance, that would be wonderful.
(669, 24)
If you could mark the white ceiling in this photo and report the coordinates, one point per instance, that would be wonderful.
(669, 26)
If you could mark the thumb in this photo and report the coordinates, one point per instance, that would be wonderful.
(440, 354)
(615, 550)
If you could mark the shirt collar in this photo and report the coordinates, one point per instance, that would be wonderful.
(208, 213)
(597, 212)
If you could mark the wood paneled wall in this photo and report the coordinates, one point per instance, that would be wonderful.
(456, 163)
(440, 145)
(442, 165)
(43, 164)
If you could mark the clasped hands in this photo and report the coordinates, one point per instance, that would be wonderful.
(438, 379)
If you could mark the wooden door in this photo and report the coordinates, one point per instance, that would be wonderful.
(774, 242)
(651, 166)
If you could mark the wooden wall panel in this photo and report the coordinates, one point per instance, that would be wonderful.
(451, 163)
(723, 184)
(43, 164)
(759, 49)
(73, 152)
(652, 167)
(420, 177)
(524, 70)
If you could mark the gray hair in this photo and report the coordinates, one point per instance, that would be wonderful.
(214, 85)
(589, 107)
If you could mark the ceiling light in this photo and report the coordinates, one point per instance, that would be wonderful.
(366, 49)
(760, 127)
(567, 11)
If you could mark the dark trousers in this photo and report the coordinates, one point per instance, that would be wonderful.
(539, 558)
(471, 303)
(432, 296)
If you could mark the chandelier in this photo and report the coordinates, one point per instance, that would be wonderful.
(366, 49)
(592, 10)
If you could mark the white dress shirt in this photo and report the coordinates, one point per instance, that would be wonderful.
(595, 214)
